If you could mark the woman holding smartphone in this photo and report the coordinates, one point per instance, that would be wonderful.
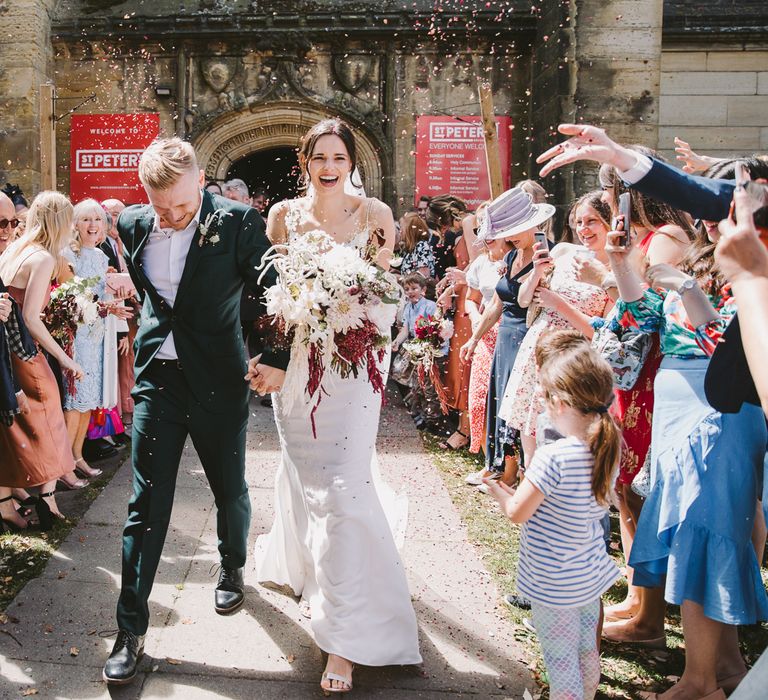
(564, 302)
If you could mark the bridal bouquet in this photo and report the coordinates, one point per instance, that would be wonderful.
(72, 304)
(334, 308)
(431, 335)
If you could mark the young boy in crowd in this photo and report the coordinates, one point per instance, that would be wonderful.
(423, 405)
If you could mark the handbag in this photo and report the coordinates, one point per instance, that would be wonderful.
(641, 484)
(104, 422)
(625, 350)
(402, 368)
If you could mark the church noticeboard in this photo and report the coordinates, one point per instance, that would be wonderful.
(450, 157)
(105, 155)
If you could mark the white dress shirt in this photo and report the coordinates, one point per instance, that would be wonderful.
(163, 259)
(638, 171)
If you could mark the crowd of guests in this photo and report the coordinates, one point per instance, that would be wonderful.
(53, 401)
(61, 410)
(676, 442)
(599, 366)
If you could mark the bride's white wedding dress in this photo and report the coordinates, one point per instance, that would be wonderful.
(331, 541)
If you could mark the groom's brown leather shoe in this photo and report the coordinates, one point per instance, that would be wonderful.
(229, 591)
(121, 664)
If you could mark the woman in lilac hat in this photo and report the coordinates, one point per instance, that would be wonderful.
(513, 218)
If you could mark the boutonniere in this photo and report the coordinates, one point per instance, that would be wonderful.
(209, 229)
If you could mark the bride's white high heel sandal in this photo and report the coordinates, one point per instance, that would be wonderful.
(328, 676)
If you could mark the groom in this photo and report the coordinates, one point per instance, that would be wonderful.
(189, 253)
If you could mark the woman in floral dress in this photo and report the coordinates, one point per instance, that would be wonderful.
(565, 303)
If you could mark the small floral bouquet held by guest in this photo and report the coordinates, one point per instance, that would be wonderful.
(334, 308)
(72, 304)
(432, 334)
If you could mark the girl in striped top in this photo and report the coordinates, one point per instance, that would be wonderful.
(564, 568)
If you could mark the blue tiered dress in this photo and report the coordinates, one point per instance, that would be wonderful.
(696, 524)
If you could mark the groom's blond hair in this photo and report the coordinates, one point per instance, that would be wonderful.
(165, 161)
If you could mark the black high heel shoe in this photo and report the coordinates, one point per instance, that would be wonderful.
(26, 507)
(7, 525)
(45, 516)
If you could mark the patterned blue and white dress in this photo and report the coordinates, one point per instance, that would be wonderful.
(89, 340)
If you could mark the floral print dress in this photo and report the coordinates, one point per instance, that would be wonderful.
(521, 404)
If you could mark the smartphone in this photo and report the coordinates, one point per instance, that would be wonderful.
(541, 237)
(741, 174)
(624, 212)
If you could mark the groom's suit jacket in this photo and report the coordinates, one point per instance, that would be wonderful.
(205, 317)
(728, 383)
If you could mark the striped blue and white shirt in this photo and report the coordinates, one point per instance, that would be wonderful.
(563, 562)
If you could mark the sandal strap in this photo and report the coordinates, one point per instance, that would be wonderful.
(336, 677)
(3, 500)
(47, 495)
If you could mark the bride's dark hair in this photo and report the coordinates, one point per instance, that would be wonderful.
(327, 127)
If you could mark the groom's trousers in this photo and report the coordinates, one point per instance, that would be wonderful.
(165, 413)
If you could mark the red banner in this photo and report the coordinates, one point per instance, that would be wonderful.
(105, 155)
(450, 157)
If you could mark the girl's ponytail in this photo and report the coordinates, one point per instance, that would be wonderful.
(580, 378)
(604, 439)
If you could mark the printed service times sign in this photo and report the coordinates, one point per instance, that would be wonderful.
(105, 155)
(450, 157)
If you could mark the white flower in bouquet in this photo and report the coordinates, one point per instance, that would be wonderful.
(90, 312)
(446, 329)
(382, 315)
(345, 312)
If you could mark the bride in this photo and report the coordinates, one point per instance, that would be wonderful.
(331, 542)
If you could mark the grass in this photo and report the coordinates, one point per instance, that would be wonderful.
(23, 556)
(626, 670)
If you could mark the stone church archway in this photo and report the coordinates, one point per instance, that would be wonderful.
(238, 134)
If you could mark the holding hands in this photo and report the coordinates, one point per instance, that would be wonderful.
(264, 379)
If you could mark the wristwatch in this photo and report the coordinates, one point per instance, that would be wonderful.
(688, 284)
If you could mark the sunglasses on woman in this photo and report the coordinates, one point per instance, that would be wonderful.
(5, 223)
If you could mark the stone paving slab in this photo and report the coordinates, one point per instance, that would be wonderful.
(265, 650)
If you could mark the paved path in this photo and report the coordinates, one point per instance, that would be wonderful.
(263, 651)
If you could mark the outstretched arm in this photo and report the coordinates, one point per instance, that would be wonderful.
(702, 197)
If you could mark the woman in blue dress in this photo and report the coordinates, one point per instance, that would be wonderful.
(694, 533)
(87, 261)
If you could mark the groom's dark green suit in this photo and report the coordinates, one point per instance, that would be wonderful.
(202, 395)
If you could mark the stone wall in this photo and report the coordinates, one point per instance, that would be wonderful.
(25, 63)
(595, 62)
(715, 96)
(381, 85)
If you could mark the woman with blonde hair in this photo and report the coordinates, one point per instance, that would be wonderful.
(87, 261)
(35, 451)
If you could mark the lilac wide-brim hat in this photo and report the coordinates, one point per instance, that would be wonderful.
(511, 213)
